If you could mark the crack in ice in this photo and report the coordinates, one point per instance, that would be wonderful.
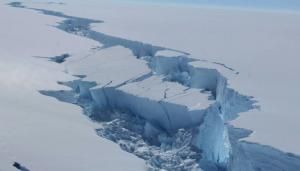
(211, 142)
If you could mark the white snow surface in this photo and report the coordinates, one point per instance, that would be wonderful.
(37, 131)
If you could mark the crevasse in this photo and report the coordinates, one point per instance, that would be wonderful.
(211, 137)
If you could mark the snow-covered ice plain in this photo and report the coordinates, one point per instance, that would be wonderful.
(210, 89)
(38, 132)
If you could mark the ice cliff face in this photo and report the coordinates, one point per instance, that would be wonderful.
(170, 110)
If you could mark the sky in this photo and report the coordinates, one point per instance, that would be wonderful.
(256, 4)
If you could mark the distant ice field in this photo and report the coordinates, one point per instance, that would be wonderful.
(256, 4)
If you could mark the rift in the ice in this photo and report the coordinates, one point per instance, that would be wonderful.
(57, 59)
(209, 142)
(133, 133)
(20, 167)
